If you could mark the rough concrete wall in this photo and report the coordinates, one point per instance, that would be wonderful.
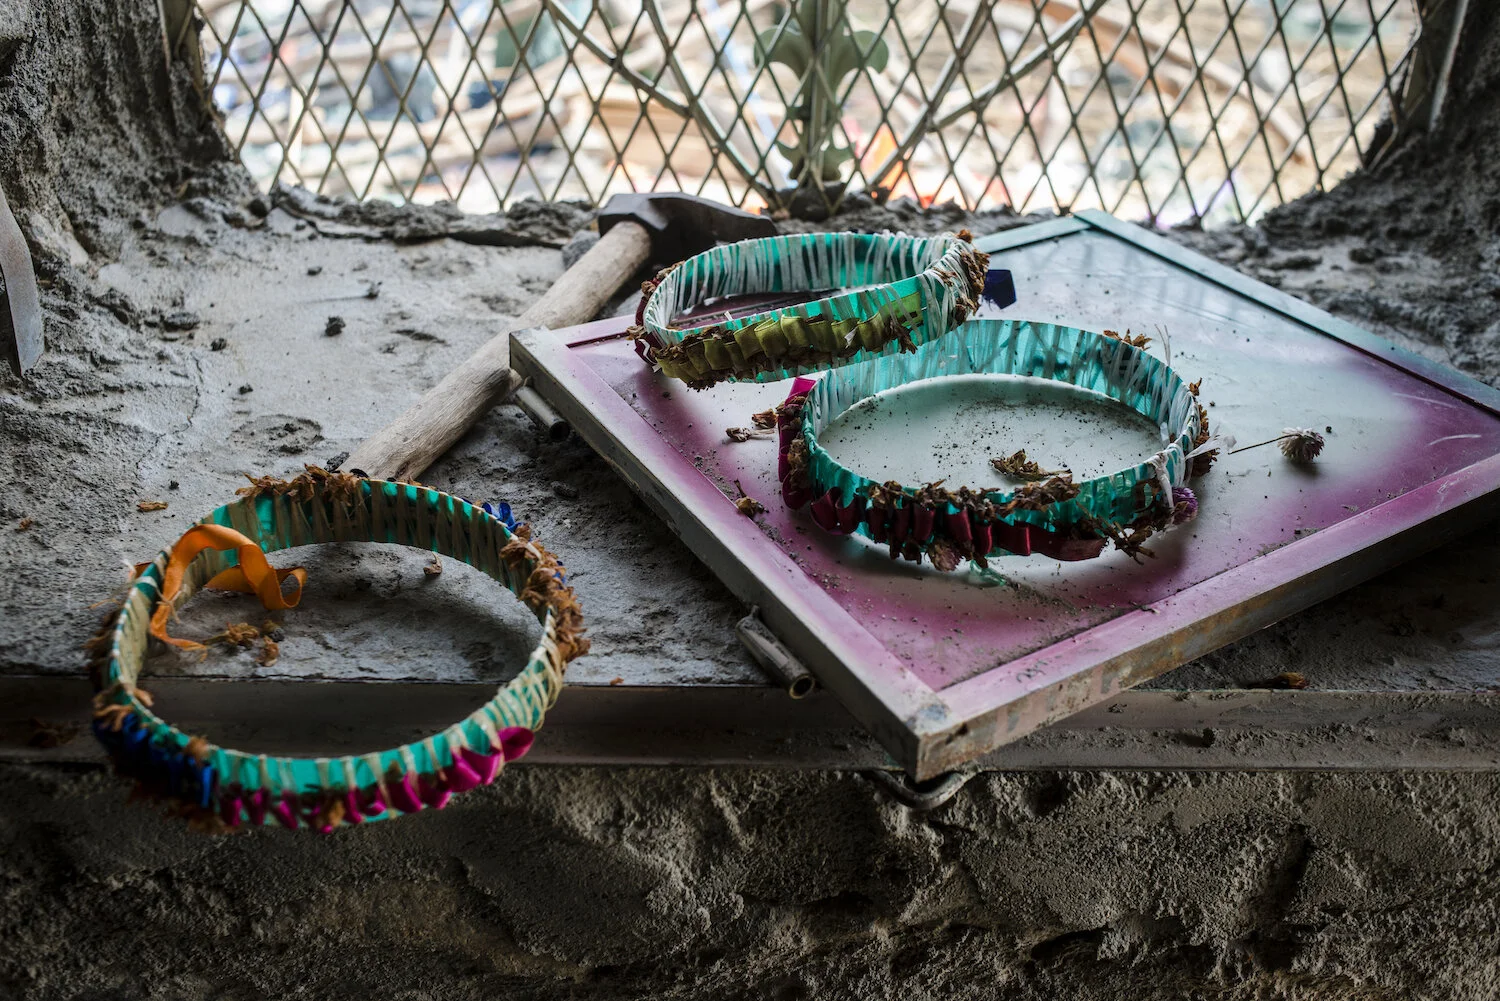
(729, 884)
(691, 884)
(94, 124)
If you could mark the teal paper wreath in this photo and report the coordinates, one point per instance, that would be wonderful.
(906, 291)
(218, 788)
(1053, 516)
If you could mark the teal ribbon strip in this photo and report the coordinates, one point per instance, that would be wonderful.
(1065, 354)
(906, 291)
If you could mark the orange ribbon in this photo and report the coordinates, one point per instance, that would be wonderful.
(254, 575)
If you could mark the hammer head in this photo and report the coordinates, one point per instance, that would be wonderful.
(683, 225)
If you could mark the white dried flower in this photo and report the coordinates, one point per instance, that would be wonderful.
(1300, 444)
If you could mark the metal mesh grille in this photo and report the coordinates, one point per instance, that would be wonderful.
(1162, 109)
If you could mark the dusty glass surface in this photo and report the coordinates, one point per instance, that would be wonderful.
(949, 428)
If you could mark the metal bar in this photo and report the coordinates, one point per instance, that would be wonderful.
(541, 413)
(700, 114)
(1062, 37)
(1431, 66)
(22, 333)
(616, 62)
(773, 657)
(1459, 11)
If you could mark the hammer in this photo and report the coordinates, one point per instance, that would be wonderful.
(633, 229)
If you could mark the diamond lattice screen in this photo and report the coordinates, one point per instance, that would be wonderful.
(1159, 109)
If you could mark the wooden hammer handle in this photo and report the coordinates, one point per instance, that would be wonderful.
(403, 449)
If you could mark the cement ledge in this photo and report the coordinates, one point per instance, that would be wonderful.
(761, 726)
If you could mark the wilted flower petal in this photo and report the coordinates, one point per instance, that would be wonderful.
(1184, 505)
(944, 555)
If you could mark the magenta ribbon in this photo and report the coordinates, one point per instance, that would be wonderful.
(470, 769)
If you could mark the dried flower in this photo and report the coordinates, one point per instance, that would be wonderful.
(150, 505)
(1022, 468)
(1037, 496)
(1137, 341)
(1286, 680)
(765, 419)
(1203, 461)
(748, 506)
(270, 652)
(1297, 444)
(745, 434)
(237, 634)
(1184, 505)
(944, 555)
(435, 568)
(1301, 444)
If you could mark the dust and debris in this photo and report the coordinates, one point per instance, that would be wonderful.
(1292, 680)
(46, 734)
(526, 223)
(180, 320)
(77, 180)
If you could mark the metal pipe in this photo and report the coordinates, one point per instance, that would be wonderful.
(920, 796)
(1457, 14)
(541, 413)
(773, 658)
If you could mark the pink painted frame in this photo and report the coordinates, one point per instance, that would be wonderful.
(927, 729)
